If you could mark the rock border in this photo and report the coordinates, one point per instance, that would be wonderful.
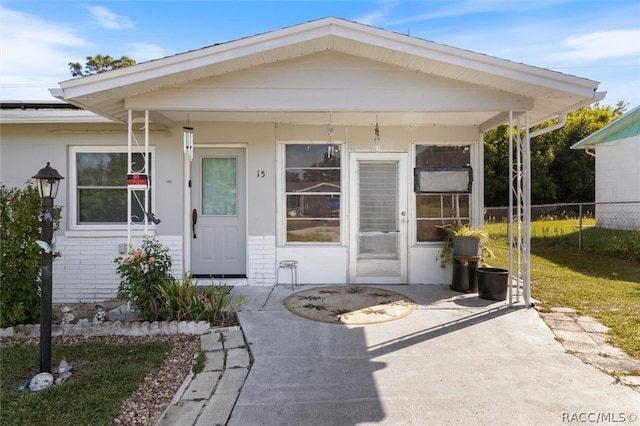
(106, 328)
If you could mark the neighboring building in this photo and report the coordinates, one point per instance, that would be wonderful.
(617, 151)
(306, 140)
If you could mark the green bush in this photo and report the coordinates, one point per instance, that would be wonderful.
(140, 273)
(20, 209)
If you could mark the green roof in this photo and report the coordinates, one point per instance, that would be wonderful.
(624, 127)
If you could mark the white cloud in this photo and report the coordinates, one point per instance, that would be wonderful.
(378, 17)
(107, 19)
(35, 54)
(372, 18)
(142, 52)
(448, 9)
(599, 45)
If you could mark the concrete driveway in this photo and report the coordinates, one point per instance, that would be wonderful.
(457, 359)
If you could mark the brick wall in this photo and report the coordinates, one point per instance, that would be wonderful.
(262, 260)
(86, 272)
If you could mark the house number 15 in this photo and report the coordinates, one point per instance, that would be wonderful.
(261, 173)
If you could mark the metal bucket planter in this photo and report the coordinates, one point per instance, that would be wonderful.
(466, 246)
(493, 283)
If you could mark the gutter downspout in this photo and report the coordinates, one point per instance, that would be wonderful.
(562, 120)
(588, 152)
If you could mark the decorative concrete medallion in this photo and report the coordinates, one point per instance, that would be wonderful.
(350, 304)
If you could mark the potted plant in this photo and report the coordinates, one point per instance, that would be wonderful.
(465, 241)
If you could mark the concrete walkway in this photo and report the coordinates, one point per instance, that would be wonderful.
(208, 397)
(457, 359)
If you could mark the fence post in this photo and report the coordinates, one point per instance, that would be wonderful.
(580, 227)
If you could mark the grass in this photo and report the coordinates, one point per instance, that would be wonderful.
(601, 281)
(199, 362)
(103, 376)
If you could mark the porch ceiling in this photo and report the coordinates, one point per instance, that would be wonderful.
(548, 93)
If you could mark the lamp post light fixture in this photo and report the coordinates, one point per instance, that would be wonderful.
(47, 180)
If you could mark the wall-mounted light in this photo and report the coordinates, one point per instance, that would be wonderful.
(376, 136)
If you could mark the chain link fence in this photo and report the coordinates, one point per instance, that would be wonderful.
(565, 218)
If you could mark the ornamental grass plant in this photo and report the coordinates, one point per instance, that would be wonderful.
(462, 231)
(184, 301)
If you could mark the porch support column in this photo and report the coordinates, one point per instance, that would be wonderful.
(131, 187)
(526, 159)
(520, 214)
(186, 230)
(129, 144)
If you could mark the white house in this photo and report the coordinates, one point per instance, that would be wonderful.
(333, 143)
(616, 148)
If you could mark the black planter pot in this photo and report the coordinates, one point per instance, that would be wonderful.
(492, 283)
(464, 278)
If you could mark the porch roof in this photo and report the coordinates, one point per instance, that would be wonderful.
(502, 85)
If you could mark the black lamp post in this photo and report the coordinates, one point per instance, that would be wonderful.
(48, 180)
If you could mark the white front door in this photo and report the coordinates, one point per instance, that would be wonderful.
(218, 215)
(378, 218)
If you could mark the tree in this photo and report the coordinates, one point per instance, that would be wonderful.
(99, 64)
(558, 173)
(496, 167)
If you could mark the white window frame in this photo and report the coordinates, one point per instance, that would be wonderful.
(72, 208)
(281, 197)
(472, 195)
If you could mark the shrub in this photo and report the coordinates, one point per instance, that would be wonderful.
(140, 273)
(20, 209)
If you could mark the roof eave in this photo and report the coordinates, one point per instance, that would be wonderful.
(597, 137)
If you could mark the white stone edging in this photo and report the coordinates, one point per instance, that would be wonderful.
(108, 328)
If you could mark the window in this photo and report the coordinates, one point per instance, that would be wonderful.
(436, 210)
(99, 196)
(312, 193)
(219, 187)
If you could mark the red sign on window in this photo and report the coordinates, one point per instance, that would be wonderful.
(137, 179)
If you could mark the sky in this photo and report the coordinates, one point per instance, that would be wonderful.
(598, 40)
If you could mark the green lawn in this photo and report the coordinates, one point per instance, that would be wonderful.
(602, 280)
(103, 376)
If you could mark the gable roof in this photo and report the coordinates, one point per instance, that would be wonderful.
(624, 127)
(543, 92)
